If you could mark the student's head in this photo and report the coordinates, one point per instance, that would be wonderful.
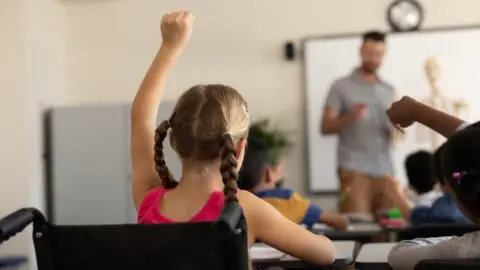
(263, 165)
(372, 50)
(420, 174)
(461, 169)
(208, 129)
(256, 172)
(437, 167)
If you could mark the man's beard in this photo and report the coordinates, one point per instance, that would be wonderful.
(369, 69)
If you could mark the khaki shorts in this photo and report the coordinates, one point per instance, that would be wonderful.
(365, 193)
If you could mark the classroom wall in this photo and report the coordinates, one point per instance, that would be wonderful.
(111, 44)
(32, 76)
(78, 52)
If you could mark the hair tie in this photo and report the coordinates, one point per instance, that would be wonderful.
(458, 176)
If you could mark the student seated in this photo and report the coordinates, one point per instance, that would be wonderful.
(208, 130)
(259, 176)
(443, 210)
(421, 178)
(459, 168)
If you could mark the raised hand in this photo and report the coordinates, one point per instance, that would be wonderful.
(176, 28)
(402, 113)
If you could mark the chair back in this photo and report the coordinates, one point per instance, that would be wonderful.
(128, 247)
(222, 244)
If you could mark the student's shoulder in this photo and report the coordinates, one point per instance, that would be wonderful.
(149, 202)
(341, 83)
(444, 200)
(252, 204)
(279, 193)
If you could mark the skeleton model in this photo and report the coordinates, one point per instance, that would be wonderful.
(437, 100)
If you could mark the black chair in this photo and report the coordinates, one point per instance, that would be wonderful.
(222, 244)
(454, 264)
(435, 230)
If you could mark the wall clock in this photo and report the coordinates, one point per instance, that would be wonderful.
(405, 15)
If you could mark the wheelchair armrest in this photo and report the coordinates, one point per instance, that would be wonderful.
(16, 222)
(457, 264)
(228, 219)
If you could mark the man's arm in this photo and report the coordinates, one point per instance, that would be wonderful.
(332, 122)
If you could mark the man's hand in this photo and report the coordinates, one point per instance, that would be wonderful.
(402, 112)
(176, 29)
(359, 110)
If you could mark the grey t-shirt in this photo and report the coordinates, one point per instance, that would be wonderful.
(365, 144)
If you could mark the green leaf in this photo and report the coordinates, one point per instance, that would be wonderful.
(277, 141)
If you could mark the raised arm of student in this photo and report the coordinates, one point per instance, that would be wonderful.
(176, 28)
(333, 121)
(407, 111)
(268, 225)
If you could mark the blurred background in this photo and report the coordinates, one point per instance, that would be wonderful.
(86, 59)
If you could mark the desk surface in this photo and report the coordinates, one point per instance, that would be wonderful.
(344, 251)
(357, 232)
(266, 256)
(362, 227)
(374, 256)
(360, 217)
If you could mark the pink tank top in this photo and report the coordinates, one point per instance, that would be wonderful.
(149, 213)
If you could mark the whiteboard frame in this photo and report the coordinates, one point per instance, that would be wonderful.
(307, 39)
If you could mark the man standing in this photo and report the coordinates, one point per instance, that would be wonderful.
(355, 111)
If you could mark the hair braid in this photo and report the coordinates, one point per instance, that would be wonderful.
(168, 181)
(228, 167)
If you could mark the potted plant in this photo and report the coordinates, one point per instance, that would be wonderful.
(275, 140)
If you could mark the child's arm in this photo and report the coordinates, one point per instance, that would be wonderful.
(176, 28)
(309, 214)
(334, 220)
(406, 111)
(268, 225)
(406, 254)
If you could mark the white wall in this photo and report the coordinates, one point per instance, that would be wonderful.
(32, 76)
(111, 43)
(108, 46)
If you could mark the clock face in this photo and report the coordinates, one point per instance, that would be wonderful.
(405, 15)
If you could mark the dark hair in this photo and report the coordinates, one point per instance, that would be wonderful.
(437, 164)
(420, 173)
(461, 167)
(376, 36)
(254, 164)
(203, 126)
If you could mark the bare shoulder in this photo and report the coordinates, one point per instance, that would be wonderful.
(253, 207)
(249, 202)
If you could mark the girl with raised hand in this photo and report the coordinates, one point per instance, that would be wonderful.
(208, 130)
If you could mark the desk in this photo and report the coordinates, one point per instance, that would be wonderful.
(260, 252)
(374, 256)
(361, 232)
(360, 217)
(344, 257)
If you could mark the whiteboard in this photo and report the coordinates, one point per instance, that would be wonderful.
(325, 60)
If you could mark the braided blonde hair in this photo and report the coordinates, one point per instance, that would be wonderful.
(205, 123)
